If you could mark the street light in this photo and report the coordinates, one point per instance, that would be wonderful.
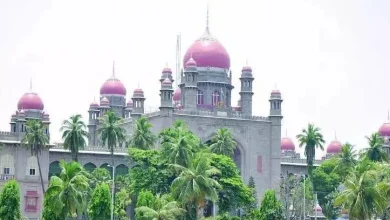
(112, 191)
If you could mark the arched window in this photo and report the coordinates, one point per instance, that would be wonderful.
(7, 165)
(90, 167)
(121, 170)
(199, 97)
(215, 98)
(54, 169)
(32, 166)
(107, 167)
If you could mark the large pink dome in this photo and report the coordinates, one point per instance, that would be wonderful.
(113, 86)
(31, 101)
(334, 147)
(287, 144)
(207, 51)
(384, 130)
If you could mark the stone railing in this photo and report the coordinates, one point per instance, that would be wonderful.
(152, 114)
(298, 160)
(214, 114)
(6, 177)
(7, 133)
(95, 148)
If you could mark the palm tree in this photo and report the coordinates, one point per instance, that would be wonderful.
(178, 151)
(362, 194)
(375, 152)
(346, 160)
(195, 183)
(311, 138)
(223, 143)
(36, 140)
(111, 133)
(68, 193)
(143, 138)
(164, 208)
(74, 135)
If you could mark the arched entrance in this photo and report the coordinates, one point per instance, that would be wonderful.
(54, 169)
(90, 167)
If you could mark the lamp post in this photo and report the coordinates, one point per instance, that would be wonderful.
(112, 191)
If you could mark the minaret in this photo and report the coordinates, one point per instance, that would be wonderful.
(190, 84)
(275, 117)
(166, 73)
(166, 93)
(93, 121)
(246, 91)
(138, 103)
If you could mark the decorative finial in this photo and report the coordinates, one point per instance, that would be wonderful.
(335, 135)
(275, 86)
(31, 85)
(286, 132)
(94, 98)
(138, 85)
(246, 62)
(207, 16)
(166, 64)
(388, 115)
(113, 69)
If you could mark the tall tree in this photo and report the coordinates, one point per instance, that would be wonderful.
(36, 140)
(271, 207)
(143, 138)
(100, 204)
(375, 152)
(195, 183)
(10, 201)
(345, 161)
(311, 138)
(178, 151)
(122, 202)
(362, 195)
(74, 135)
(223, 142)
(163, 208)
(68, 192)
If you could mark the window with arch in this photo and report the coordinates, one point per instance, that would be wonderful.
(32, 166)
(90, 167)
(7, 165)
(215, 98)
(54, 169)
(199, 97)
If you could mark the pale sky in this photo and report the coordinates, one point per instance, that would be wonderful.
(329, 58)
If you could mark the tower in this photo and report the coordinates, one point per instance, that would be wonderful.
(275, 117)
(93, 113)
(166, 93)
(190, 84)
(246, 92)
(166, 73)
(138, 103)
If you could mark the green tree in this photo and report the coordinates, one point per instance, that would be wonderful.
(163, 208)
(252, 186)
(223, 142)
(178, 150)
(123, 200)
(345, 161)
(234, 192)
(100, 205)
(68, 192)
(195, 183)
(375, 152)
(271, 207)
(143, 138)
(180, 129)
(311, 138)
(145, 198)
(10, 201)
(99, 176)
(362, 195)
(36, 140)
(150, 172)
(74, 135)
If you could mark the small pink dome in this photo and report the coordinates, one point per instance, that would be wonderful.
(246, 69)
(21, 113)
(94, 104)
(191, 63)
(334, 147)
(208, 52)
(130, 103)
(167, 82)
(275, 91)
(113, 86)
(384, 130)
(104, 102)
(138, 92)
(177, 95)
(167, 70)
(31, 101)
(287, 144)
(317, 208)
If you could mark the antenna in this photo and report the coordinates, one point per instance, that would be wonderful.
(178, 59)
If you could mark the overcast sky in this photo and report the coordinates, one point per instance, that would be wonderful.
(329, 58)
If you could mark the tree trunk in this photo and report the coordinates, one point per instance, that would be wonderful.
(40, 174)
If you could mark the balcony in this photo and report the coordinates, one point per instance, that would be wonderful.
(7, 177)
